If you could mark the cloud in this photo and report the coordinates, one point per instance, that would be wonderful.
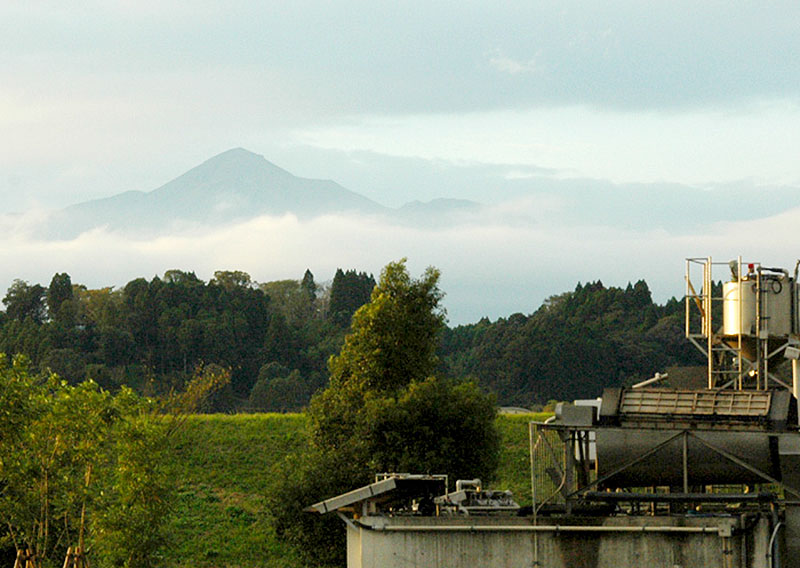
(488, 269)
(505, 64)
(122, 92)
(698, 147)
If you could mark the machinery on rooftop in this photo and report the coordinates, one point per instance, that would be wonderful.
(747, 326)
(666, 447)
(470, 498)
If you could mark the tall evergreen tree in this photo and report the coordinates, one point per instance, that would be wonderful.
(349, 291)
(59, 291)
(309, 286)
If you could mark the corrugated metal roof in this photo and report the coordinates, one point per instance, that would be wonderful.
(696, 403)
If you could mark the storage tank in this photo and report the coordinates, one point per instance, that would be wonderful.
(741, 309)
(641, 437)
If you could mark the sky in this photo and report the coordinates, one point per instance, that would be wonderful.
(404, 101)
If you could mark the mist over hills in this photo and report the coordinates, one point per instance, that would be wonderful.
(231, 187)
(238, 185)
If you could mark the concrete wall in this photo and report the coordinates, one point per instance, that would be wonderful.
(473, 542)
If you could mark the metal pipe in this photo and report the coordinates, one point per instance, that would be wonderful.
(533, 491)
(547, 528)
(793, 283)
(796, 385)
(658, 377)
(708, 329)
(774, 548)
(618, 496)
(770, 555)
(569, 467)
(740, 311)
(685, 462)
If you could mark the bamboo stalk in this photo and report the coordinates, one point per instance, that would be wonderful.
(68, 557)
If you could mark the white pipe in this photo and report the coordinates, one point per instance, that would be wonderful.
(658, 377)
(770, 556)
(796, 385)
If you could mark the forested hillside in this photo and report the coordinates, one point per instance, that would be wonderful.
(276, 337)
(151, 335)
(573, 345)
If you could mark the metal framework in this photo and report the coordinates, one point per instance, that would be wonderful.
(730, 364)
(562, 474)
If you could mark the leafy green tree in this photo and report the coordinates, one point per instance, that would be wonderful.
(381, 378)
(66, 362)
(284, 393)
(291, 300)
(137, 492)
(434, 426)
(24, 336)
(116, 346)
(231, 279)
(141, 314)
(52, 463)
(182, 278)
(393, 338)
(103, 308)
(79, 466)
(392, 342)
(25, 301)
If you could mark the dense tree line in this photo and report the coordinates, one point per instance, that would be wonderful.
(573, 346)
(275, 337)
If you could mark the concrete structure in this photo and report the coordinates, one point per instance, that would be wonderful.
(388, 526)
(597, 542)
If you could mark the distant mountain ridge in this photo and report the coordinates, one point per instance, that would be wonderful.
(231, 187)
(238, 185)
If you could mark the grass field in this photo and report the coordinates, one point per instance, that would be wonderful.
(224, 465)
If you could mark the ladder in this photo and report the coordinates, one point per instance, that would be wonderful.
(727, 365)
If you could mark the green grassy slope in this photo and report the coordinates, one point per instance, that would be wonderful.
(223, 465)
(514, 471)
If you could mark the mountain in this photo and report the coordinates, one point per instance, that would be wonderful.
(237, 185)
(231, 187)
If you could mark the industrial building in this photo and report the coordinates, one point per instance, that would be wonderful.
(690, 468)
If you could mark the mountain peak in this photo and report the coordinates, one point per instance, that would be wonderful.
(230, 187)
(238, 155)
(231, 165)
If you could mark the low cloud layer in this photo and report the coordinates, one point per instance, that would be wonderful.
(489, 269)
